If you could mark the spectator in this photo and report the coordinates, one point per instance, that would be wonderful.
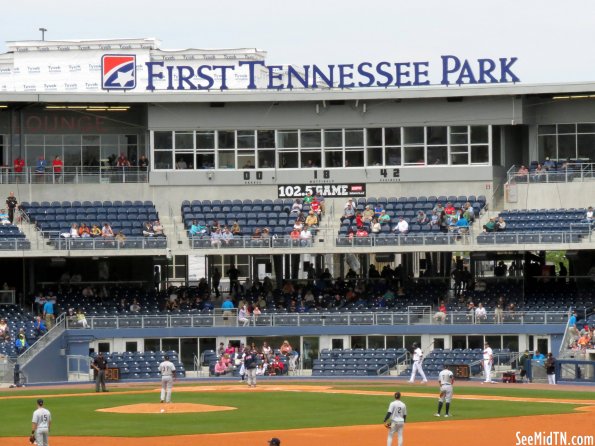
(490, 226)
(402, 226)
(12, 205)
(440, 315)
(539, 358)
(384, 217)
(375, 227)
(221, 367)
(243, 316)
(21, 343)
(308, 198)
(143, 162)
(421, 217)
(320, 199)
(298, 225)
(297, 207)
(499, 314)
(236, 230)
(589, 216)
(84, 231)
(122, 161)
(378, 210)
(548, 164)
(120, 237)
(358, 220)
(148, 229)
(361, 232)
(295, 234)
(41, 165)
(523, 170)
(135, 306)
(4, 220)
(227, 307)
(4, 330)
(57, 166)
(48, 313)
(285, 348)
(450, 209)
(480, 313)
(368, 214)
(315, 206)
(305, 236)
(216, 238)
(39, 326)
(312, 219)
(18, 164)
(107, 231)
(81, 319)
(349, 211)
(500, 224)
(438, 208)
(158, 229)
(95, 231)
(74, 231)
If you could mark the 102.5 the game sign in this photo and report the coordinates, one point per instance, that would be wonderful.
(327, 190)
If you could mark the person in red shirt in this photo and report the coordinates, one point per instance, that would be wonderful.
(449, 209)
(57, 165)
(358, 220)
(361, 232)
(19, 163)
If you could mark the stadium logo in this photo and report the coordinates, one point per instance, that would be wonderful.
(118, 72)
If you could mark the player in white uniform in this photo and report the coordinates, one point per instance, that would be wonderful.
(446, 380)
(488, 360)
(40, 424)
(395, 419)
(418, 357)
(168, 373)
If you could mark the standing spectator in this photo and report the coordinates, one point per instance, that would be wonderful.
(57, 166)
(11, 203)
(227, 308)
(100, 365)
(39, 326)
(525, 366)
(143, 162)
(122, 161)
(499, 314)
(41, 165)
(550, 369)
(234, 283)
(48, 313)
(19, 164)
(216, 280)
(480, 313)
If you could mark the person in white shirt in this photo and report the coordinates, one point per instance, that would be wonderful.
(417, 364)
(243, 316)
(488, 360)
(168, 373)
(305, 237)
(446, 380)
(402, 227)
(395, 419)
(480, 313)
(216, 239)
(40, 424)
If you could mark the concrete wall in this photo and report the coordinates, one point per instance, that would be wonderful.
(49, 365)
(553, 195)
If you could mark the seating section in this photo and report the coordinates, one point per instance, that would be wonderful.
(250, 215)
(556, 171)
(16, 319)
(408, 207)
(540, 226)
(57, 217)
(143, 365)
(12, 238)
(357, 362)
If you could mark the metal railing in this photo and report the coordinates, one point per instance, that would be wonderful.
(75, 175)
(100, 243)
(7, 297)
(432, 238)
(573, 172)
(219, 319)
(14, 244)
(576, 236)
(53, 333)
(284, 242)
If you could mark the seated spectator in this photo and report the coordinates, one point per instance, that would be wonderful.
(226, 236)
(297, 207)
(285, 348)
(295, 234)
(148, 229)
(257, 234)
(375, 227)
(384, 217)
(315, 206)
(434, 219)
(450, 209)
(4, 330)
(361, 232)
(107, 231)
(351, 232)
(95, 231)
(500, 224)
(480, 313)
(348, 212)
(523, 171)
(81, 319)
(308, 198)
(84, 230)
(320, 199)
(549, 164)
(266, 233)
(243, 316)
(276, 367)
(215, 225)
(312, 219)
(158, 229)
(120, 237)
(589, 216)
(74, 231)
(21, 343)
(440, 315)
(438, 208)
(461, 225)
(305, 236)
(378, 210)
(221, 368)
(236, 230)
(490, 226)
(469, 213)
(368, 214)
(135, 306)
(39, 326)
(402, 226)
(196, 229)
(539, 172)
(4, 220)
(216, 239)
(421, 217)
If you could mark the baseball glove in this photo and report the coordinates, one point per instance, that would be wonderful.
(387, 424)
(32, 439)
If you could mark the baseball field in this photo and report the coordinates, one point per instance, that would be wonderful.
(299, 413)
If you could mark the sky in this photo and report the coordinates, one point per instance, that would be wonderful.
(551, 39)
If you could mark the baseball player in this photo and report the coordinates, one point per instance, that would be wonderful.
(40, 425)
(417, 361)
(250, 363)
(488, 360)
(168, 373)
(446, 380)
(395, 419)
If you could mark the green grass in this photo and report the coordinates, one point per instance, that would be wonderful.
(255, 410)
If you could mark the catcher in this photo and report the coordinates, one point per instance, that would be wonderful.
(40, 425)
(395, 418)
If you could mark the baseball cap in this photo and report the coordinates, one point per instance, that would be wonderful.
(40, 402)
(274, 442)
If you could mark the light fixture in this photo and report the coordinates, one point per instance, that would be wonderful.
(3, 106)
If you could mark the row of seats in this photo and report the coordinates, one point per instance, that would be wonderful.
(142, 365)
(422, 199)
(86, 204)
(356, 362)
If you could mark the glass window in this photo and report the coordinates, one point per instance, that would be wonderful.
(374, 137)
(354, 137)
(246, 159)
(205, 140)
(226, 139)
(287, 139)
(475, 341)
(459, 342)
(72, 140)
(354, 158)
(246, 139)
(394, 342)
(374, 156)
(392, 136)
(458, 158)
(437, 155)
(72, 157)
(358, 341)
(375, 342)
(34, 140)
(566, 128)
(333, 138)
(479, 134)
(310, 138)
(546, 129)
(333, 158)
(511, 342)
(53, 140)
(162, 140)
(393, 156)
(586, 146)
(227, 159)
(184, 161)
(266, 159)
(414, 155)
(184, 140)
(547, 146)
(459, 135)
(586, 128)
(566, 146)
(413, 135)
(266, 139)
(205, 160)
(163, 159)
(288, 160)
(311, 159)
(480, 154)
(437, 135)
(495, 341)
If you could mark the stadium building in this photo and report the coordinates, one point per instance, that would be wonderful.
(123, 132)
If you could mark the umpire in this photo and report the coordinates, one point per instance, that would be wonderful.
(100, 364)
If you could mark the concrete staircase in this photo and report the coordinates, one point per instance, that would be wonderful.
(38, 243)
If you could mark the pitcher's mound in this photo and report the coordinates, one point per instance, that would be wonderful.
(166, 408)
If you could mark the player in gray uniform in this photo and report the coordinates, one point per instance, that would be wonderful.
(40, 424)
(446, 380)
(395, 419)
(168, 373)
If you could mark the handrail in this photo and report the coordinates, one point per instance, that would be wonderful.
(75, 175)
(52, 334)
(100, 243)
(573, 172)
